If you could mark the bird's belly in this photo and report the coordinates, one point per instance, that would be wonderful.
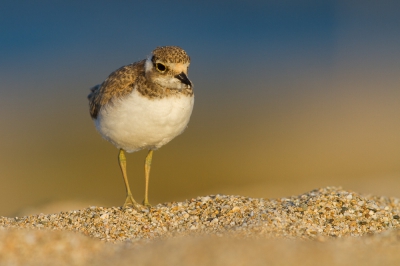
(136, 122)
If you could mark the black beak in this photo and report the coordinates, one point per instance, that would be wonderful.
(184, 79)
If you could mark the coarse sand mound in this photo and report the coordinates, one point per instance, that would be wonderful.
(327, 226)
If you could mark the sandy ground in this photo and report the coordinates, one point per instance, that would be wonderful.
(327, 226)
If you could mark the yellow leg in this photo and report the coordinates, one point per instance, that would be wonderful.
(122, 163)
(147, 165)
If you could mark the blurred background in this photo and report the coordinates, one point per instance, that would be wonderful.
(289, 97)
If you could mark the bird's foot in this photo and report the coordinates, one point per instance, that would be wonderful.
(146, 204)
(130, 201)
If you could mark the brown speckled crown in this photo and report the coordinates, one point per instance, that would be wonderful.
(170, 54)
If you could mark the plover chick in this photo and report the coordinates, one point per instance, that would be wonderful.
(144, 105)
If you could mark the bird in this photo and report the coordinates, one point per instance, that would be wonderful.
(144, 105)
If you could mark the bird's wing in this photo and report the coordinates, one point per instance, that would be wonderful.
(119, 83)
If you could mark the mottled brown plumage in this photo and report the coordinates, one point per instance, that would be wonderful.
(122, 81)
(118, 84)
(170, 54)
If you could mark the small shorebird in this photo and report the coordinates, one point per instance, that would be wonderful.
(144, 105)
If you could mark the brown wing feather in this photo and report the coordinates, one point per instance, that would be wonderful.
(119, 83)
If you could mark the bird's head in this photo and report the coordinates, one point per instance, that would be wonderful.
(168, 67)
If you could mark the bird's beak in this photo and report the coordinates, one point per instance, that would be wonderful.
(184, 79)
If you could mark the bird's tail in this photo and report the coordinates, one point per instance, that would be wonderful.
(93, 91)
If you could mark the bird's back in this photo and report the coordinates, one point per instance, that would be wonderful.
(118, 84)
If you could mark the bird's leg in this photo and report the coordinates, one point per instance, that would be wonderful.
(147, 165)
(122, 163)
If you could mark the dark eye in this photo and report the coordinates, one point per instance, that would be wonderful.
(160, 67)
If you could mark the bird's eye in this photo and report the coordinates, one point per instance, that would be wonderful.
(160, 67)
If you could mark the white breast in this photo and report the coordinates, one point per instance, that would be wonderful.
(136, 122)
